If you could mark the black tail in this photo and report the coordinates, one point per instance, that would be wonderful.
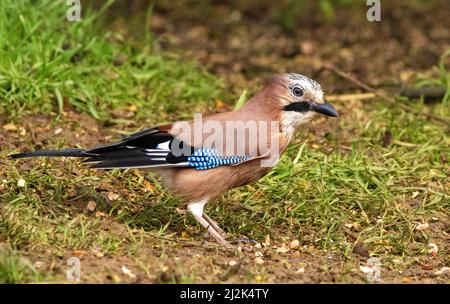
(57, 153)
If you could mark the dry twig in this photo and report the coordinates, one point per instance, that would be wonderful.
(382, 95)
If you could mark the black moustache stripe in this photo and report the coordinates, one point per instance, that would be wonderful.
(298, 107)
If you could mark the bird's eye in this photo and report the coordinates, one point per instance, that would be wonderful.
(297, 91)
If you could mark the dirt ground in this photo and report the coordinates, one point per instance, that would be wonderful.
(244, 48)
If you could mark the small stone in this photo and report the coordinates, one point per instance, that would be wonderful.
(91, 205)
(259, 260)
(300, 270)
(307, 47)
(360, 249)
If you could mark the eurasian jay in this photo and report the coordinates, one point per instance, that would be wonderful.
(200, 160)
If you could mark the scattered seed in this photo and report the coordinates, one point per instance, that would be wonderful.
(180, 211)
(267, 240)
(295, 244)
(433, 248)
(441, 271)
(422, 227)
(128, 273)
(406, 280)
(21, 183)
(282, 249)
(232, 263)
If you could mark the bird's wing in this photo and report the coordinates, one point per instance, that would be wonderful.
(154, 147)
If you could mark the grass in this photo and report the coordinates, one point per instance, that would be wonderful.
(47, 62)
(375, 175)
(16, 269)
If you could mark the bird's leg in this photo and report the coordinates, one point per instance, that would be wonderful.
(197, 211)
(214, 224)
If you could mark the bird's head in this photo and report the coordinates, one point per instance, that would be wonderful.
(300, 99)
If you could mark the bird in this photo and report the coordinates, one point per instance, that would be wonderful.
(200, 159)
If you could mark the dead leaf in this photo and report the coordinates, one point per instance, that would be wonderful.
(282, 249)
(112, 196)
(79, 253)
(100, 214)
(220, 105)
(387, 139)
(10, 127)
(148, 187)
(267, 240)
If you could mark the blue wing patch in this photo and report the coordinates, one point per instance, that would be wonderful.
(205, 158)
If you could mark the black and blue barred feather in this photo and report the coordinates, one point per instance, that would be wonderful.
(207, 158)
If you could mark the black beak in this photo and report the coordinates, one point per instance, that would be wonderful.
(325, 109)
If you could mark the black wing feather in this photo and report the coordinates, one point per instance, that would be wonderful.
(138, 150)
